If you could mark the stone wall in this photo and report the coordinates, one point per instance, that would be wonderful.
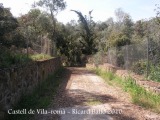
(18, 81)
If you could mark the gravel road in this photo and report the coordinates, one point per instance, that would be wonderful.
(85, 96)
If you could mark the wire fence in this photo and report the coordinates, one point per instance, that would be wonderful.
(42, 45)
(138, 58)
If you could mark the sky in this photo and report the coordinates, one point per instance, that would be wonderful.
(102, 9)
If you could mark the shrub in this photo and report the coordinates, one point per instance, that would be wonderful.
(9, 58)
(120, 59)
(139, 67)
(98, 58)
(154, 73)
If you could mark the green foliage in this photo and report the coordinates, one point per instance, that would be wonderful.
(68, 44)
(105, 75)
(54, 6)
(157, 14)
(139, 67)
(139, 95)
(40, 57)
(87, 34)
(142, 97)
(154, 73)
(118, 39)
(6, 58)
(98, 58)
(34, 26)
(75, 39)
(9, 58)
(122, 30)
(93, 102)
(7, 24)
(120, 60)
(139, 29)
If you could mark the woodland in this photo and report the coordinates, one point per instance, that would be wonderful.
(74, 41)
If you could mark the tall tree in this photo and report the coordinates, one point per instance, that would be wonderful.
(127, 28)
(53, 6)
(7, 24)
(157, 9)
(120, 15)
(87, 34)
(139, 31)
(37, 27)
(122, 31)
(68, 44)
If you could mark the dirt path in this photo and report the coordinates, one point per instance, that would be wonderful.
(82, 92)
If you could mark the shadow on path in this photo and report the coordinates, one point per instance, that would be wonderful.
(70, 98)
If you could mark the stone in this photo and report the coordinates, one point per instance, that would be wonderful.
(18, 81)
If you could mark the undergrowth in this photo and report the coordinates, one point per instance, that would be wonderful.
(139, 95)
(9, 58)
(40, 57)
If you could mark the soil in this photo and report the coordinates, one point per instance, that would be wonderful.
(83, 88)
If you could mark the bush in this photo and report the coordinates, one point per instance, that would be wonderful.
(154, 73)
(139, 67)
(120, 60)
(98, 58)
(6, 58)
(9, 58)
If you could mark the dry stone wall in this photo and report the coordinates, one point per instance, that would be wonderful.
(18, 81)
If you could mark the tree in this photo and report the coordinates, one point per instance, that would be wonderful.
(68, 44)
(157, 14)
(101, 31)
(139, 31)
(37, 27)
(53, 6)
(122, 30)
(118, 40)
(87, 34)
(7, 24)
(127, 28)
(120, 15)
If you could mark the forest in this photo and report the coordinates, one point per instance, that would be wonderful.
(38, 34)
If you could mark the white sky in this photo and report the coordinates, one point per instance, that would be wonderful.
(102, 9)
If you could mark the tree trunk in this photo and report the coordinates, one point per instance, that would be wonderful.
(54, 48)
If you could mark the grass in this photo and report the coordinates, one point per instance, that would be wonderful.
(41, 97)
(154, 73)
(139, 95)
(92, 102)
(9, 60)
(40, 57)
